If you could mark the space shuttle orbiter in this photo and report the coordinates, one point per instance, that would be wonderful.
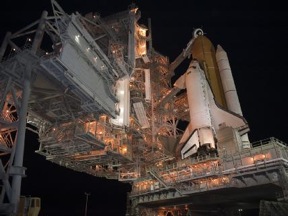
(207, 112)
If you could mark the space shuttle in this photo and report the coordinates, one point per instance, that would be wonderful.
(216, 120)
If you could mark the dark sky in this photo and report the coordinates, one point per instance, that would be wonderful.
(254, 36)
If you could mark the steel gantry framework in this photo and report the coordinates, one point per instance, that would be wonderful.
(101, 100)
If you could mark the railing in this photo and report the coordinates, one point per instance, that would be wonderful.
(268, 141)
(211, 172)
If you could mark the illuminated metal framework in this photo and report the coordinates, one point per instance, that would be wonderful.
(207, 183)
(102, 102)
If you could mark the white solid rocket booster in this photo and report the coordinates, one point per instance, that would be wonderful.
(229, 88)
(227, 81)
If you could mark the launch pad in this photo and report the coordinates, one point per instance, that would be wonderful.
(101, 100)
(223, 185)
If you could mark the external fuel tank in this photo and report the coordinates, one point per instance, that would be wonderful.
(204, 51)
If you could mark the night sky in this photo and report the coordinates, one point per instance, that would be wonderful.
(254, 35)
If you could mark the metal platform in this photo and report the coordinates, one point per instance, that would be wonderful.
(239, 181)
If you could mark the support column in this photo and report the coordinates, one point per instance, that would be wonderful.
(39, 33)
(17, 170)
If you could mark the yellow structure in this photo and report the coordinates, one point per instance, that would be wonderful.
(29, 206)
(204, 51)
